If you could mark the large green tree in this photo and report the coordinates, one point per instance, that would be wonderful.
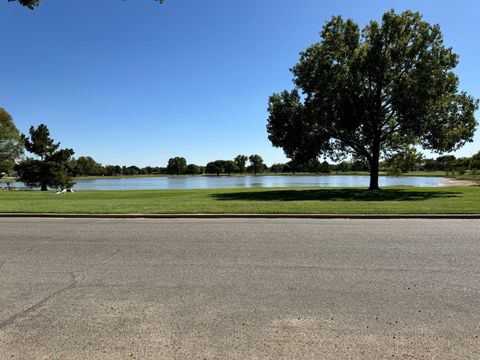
(373, 92)
(177, 166)
(31, 4)
(11, 146)
(215, 167)
(85, 166)
(193, 169)
(50, 166)
(256, 162)
(403, 161)
(229, 166)
(241, 162)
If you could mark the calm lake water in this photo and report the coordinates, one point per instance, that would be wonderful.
(222, 182)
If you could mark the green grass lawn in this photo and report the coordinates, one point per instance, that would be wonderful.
(399, 200)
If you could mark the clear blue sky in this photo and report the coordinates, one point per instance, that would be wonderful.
(134, 82)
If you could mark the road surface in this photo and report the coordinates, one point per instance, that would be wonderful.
(239, 289)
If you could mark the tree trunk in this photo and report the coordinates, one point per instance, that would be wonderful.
(374, 161)
(44, 187)
(374, 169)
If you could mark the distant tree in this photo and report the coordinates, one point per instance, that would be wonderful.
(445, 163)
(461, 165)
(11, 144)
(474, 164)
(241, 162)
(359, 165)
(312, 166)
(153, 170)
(288, 167)
(373, 92)
(315, 166)
(403, 161)
(177, 166)
(429, 165)
(131, 170)
(277, 168)
(229, 166)
(325, 168)
(31, 4)
(256, 162)
(343, 166)
(86, 166)
(113, 170)
(193, 169)
(215, 167)
(50, 168)
(147, 170)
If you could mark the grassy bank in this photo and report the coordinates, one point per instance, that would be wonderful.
(401, 200)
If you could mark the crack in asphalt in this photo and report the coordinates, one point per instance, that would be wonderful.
(73, 283)
(10, 320)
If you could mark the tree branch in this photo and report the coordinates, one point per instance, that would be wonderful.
(360, 149)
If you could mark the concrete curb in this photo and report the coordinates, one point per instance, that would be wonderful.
(240, 216)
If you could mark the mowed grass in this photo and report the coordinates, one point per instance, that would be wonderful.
(398, 200)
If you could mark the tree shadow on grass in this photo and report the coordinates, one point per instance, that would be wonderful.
(335, 195)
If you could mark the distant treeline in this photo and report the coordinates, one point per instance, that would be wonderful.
(87, 166)
(254, 164)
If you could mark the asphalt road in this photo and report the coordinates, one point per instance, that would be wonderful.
(239, 289)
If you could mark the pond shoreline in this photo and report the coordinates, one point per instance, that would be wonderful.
(249, 181)
(455, 182)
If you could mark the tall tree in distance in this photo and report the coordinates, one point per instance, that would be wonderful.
(373, 92)
(11, 145)
(32, 4)
(85, 166)
(50, 168)
(177, 166)
(256, 163)
(215, 167)
(229, 167)
(403, 161)
(241, 162)
(193, 169)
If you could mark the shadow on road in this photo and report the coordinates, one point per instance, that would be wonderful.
(336, 194)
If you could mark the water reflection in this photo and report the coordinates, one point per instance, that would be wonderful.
(221, 182)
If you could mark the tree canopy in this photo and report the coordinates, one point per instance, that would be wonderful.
(31, 4)
(51, 167)
(372, 92)
(177, 166)
(403, 161)
(11, 146)
(214, 167)
(241, 163)
(193, 169)
(256, 162)
(85, 166)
